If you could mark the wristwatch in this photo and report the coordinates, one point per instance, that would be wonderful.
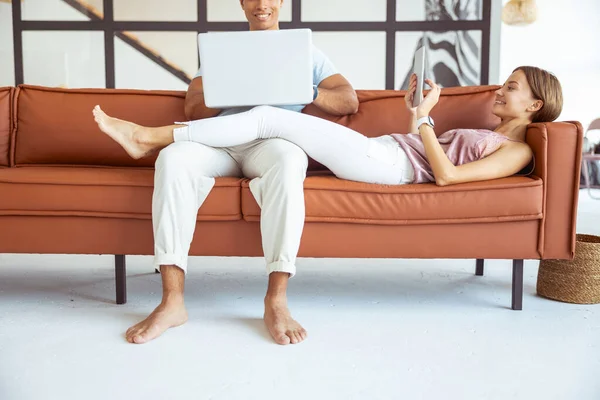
(315, 92)
(425, 120)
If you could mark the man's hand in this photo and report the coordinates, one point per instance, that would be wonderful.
(195, 107)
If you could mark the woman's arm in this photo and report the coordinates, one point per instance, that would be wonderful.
(408, 100)
(413, 124)
(442, 167)
(506, 161)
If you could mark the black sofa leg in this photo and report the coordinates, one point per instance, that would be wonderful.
(479, 267)
(517, 285)
(156, 271)
(120, 279)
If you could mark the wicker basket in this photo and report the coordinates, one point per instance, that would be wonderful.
(576, 281)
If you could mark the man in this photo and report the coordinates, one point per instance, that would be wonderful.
(185, 175)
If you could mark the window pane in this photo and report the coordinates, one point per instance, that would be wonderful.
(231, 11)
(155, 60)
(453, 58)
(155, 10)
(344, 10)
(7, 66)
(62, 10)
(359, 56)
(67, 59)
(438, 10)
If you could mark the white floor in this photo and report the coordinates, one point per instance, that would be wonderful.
(378, 329)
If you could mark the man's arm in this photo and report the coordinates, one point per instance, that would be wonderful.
(195, 107)
(336, 96)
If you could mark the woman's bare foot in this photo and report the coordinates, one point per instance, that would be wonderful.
(129, 135)
(281, 325)
(167, 315)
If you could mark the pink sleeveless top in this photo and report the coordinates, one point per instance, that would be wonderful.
(462, 146)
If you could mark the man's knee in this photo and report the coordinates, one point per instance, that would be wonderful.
(189, 160)
(174, 156)
(288, 155)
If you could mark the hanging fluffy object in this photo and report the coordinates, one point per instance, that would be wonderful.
(519, 12)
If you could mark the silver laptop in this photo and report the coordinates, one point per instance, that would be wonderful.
(256, 67)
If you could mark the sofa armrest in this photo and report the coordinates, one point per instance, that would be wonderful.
(557, 150)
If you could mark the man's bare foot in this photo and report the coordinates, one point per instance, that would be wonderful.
(167, 315)
(127, 134)
(281, 325)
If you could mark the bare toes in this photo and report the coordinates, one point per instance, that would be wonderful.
(131, 333)
(133, 329)
(137, 339)
(283, 339)
(143, 335)
(298, 336)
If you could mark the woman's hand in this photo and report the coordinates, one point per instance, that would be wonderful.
(410, 95)
(430, 100)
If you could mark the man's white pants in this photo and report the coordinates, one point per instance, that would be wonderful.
(184, 176)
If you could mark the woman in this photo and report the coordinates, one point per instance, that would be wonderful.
(529, 95)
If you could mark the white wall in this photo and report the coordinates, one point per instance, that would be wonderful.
(563, 40)
(76, 58)
(133, 70)
(359, 56)
(155, 10)
(50, 10)
(61, 58)
(344, 10)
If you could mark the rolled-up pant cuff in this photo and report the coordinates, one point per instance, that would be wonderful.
(171, 259)
(282, 266)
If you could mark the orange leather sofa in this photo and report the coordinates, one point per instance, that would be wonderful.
(66, 188)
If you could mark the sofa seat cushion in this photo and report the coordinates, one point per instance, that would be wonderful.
(329, 199)
(101, 192)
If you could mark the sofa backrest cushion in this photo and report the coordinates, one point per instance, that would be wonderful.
(56, 126)
(383, 111)
(5, 124)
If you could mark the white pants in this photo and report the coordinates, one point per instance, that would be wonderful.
(347, 153)
(184, 176)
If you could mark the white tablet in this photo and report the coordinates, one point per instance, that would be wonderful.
(419, 70)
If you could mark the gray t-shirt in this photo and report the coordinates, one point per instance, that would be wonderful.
(322, 68)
